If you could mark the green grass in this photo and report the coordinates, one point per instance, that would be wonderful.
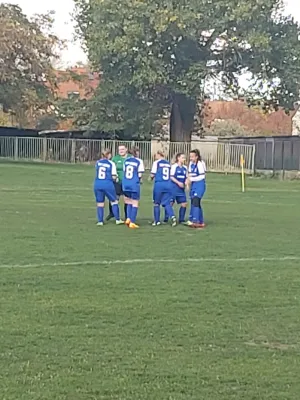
(220, 328)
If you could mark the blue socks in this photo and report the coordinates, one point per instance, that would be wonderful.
(182, 212)
(156, 213)
(129, 211)
(133, 214)
(169, 211)
(100, 214)
(166, 216)
(116, 211)
(201, 219)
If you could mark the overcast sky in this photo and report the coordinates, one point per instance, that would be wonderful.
(64, 26)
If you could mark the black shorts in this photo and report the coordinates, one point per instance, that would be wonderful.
(118, 187)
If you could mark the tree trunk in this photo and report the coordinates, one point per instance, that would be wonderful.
(182, 118)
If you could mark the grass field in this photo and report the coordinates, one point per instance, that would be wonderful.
(96, 313)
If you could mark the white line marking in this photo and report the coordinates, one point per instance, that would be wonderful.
(153, 260)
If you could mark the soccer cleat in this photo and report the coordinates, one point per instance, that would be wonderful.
(197, 226)
(202, 225)
(173, 221)
(188, 223)
(133, 226)
(100, 223)
(109, 217)
(156, 223)
(119, 222)
(127, 222)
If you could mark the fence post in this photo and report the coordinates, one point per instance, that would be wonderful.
(273, 157)
(227, 156)
(44, 149)
(253, 159)
(73, 151)
(283, 160)
(16, 155)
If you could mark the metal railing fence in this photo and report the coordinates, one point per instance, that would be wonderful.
(219, 157)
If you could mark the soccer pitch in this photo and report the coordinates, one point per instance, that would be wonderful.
(157, 313)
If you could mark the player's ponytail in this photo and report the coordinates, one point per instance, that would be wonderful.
(197, 154)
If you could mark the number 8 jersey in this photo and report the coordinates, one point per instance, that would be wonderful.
(133, 170)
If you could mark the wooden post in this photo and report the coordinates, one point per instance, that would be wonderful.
(16, 155)
(73, 151)
(44, 149)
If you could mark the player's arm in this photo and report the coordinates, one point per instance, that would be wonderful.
(141, 170)
(114, 171)
(153, 170)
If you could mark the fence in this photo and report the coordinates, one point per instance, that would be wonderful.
(276, 154)
(219, 157)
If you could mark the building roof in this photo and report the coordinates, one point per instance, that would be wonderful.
(254, 119)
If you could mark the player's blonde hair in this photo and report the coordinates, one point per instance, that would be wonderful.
(160, 153)
(106, 153)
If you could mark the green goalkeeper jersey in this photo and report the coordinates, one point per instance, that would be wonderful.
(119, 161)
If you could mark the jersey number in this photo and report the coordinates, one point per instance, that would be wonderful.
(166, 174)
(102, 173)
(129, 172)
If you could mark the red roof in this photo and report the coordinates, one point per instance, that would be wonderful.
(254, 119)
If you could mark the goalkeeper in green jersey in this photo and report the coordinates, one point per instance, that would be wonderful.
(119, 161)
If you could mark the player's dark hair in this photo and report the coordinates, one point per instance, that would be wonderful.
(197, 154)
(178, 155)
(106, 153)
(133, 151)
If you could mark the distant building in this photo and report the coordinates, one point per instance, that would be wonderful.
(296, 122)
(76, 82)
(252, 119)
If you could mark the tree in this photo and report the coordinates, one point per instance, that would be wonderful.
(158, 54)
(26, 52)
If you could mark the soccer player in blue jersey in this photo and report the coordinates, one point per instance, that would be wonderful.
(106, 173)
(197, 181)
(133, 171)
(162, 190)
(178, 178)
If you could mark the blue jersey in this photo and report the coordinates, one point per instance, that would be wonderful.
(133, 170)
(161, 170)
(197, 177)
(105, 172)
(179, 172)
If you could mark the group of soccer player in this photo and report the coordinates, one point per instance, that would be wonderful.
(122, 176)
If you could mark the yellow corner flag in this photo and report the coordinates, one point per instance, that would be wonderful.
(243, 172)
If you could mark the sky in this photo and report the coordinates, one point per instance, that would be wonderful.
(64, 26)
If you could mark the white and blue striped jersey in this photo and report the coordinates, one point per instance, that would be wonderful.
(197, 172)
(179, 172)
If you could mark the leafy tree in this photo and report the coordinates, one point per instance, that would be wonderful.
(158, 54)
(26, 52)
